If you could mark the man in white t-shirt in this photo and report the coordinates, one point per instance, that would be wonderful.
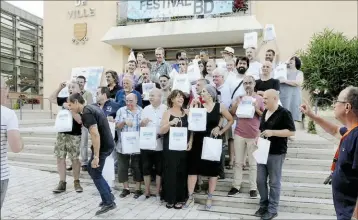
(151, 117)
(255, 66)
(10, 136)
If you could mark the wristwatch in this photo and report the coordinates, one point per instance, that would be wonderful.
(95, 157)
(220, 127)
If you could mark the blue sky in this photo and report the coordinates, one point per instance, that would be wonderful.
(33, 7)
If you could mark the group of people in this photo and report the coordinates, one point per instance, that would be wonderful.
(222, 91)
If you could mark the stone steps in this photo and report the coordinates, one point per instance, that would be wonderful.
(28, 114)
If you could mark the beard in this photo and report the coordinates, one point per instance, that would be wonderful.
(241, 70)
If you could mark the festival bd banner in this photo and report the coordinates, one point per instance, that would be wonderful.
(93, 77)
(149, 9)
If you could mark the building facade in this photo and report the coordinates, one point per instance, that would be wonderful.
(21, 51)
(101, 33)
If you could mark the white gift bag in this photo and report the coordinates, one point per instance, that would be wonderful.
(148, 138)
(261, 154)
(146, 88)
(130, 142)
(197, 119)
(178, 138)
(64, 121)
(280, 72)
(108, 171)
(181, 82)
(212, 149)
(112, 126)
(193, 72)
(246, 108)
(269, 32)
(250, 40)
(173, 73)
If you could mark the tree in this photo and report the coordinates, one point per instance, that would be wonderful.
(329, 64)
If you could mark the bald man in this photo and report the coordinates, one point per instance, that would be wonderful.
(128, 89)
(276, 125)
(266, 82)
(151, 117)
(10, 137)
(128, 119)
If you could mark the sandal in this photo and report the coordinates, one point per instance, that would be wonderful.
(209, 202)
(169, 206)
(178, 205)
(189, 203)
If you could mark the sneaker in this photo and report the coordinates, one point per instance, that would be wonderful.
(137, 193)
(189, 203)
(106, 208)
(253, 194)
(143, 197)
(269, 216)
(233, 191)
(261, 212)
(113, 198)
(61, 187)
(124, 193)
(84, 168)
(78, 187)
(157, 198)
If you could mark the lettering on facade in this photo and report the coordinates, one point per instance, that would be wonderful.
(80, 33)
(80, 12)
(198, 6)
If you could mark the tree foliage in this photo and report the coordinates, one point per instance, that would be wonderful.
(329, 64)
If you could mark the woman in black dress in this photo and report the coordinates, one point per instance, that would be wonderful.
(175, 173)
(197, 166)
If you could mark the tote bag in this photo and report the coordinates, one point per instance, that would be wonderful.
(181, 82)
(130, 142)
(280, 72)
(269, 32)
(108, 171)
(64, 121)
(262, 152)
(250, 40)
(193, 72)
(178, 138)
(212, 149)
(112, 127)
(148, 138)
(246, 109)
(197, 119)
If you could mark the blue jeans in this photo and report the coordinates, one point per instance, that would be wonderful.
(98, 180)
(272, 170)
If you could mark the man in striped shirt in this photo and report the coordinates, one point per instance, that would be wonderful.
(10, 136)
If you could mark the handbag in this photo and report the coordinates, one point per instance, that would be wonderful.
(246, 109)
(178, 138)
(212, 149)
(130, 142)
(197, 119)
(148, 138)
(262, 152)
(64, 121)
(108, 170)
(250, 40)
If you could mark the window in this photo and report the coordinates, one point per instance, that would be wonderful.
(7, 46)
(8, 71)
(7, 20)
(28, 31)
(27, 51)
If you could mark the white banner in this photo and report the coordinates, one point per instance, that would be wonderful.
(93, 77)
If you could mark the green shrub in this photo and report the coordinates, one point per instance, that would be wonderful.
(329, 64)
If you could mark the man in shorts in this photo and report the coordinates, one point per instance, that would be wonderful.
(68, 143)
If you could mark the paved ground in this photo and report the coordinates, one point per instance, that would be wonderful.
(29, 196)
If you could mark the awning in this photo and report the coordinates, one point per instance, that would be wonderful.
(200, 32)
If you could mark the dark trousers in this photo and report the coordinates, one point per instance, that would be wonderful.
(98, 180)
(222, 165)
(126, 161)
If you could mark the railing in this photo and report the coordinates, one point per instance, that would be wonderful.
(126, 11)
(317, 100)
(23, 107)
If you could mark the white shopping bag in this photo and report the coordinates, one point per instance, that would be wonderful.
(112, 126)
(130, 142)
(108, 171)
(181, 82)
(197, 119)
(64, 121)
(148, 138)
(146, 88)
(250, 40)
(269, 32)
(246, 108)
(193, 72)
(212, 149)
(178, 138)
(173, 73)
(280, 72)
(261, 154)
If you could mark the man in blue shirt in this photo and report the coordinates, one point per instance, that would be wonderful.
(127, 89)
(345, 174)
(108, 106)
(179, 55)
